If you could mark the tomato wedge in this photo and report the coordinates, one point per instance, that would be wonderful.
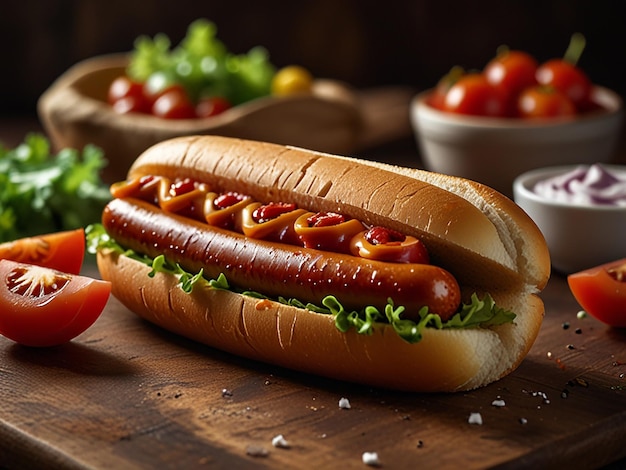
(601, 292)
(44, 307)
(63, 251)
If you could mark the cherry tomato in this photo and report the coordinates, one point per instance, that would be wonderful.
(130, 104)
(511, 72)
(126, 95)
(63, 251)
(156, 85)
(567, 78)
(601, 292)
(174, 103)
(473, 94)
(544, 102)
(438, 96)
(211, 106)
(292, 80)
(43, 307)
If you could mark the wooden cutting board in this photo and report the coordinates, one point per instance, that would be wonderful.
(126, 394)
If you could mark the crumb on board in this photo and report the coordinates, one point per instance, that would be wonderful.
(344, 403)
(280, 441)
(475, 418)
(498, 402)
(256, 451)
(371, 458)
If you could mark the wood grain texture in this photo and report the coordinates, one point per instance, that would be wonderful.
(126, 394)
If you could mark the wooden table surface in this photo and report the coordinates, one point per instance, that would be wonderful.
(126, 394)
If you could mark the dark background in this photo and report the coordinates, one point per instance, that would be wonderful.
(367, 43)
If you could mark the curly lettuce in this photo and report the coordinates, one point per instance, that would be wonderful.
(478, 313)
(203, 65)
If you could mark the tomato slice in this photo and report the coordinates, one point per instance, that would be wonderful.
(43, 307)
(63, 251)
(601, 292)
(126, 95)
(438, 96)
(211, 106)
(512, 71)
(174, 103)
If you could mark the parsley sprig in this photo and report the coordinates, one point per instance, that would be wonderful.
(41, 192)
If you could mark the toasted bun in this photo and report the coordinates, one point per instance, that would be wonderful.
(483, 238)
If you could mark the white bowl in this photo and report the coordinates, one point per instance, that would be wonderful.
(578, 237)
(494, 151)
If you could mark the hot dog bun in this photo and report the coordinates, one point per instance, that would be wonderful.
(487, 242)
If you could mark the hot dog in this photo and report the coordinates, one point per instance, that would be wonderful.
(349, 269)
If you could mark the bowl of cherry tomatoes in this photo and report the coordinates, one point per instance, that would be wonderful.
(514, 115)
(125, 103)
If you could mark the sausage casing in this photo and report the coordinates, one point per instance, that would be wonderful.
(277, 269)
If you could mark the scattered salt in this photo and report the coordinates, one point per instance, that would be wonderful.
(257, 451)
(371, 458)
(344, 403)
(280, 441)
(475, 418)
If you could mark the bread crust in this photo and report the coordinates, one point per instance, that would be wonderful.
(476, 233)
(483, 238)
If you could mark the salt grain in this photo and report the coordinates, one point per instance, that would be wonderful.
(257, 451)
(344, 403)
(475, 418)
(280, 441)
(371, 458)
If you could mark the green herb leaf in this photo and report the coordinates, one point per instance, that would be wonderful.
(41, 192)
